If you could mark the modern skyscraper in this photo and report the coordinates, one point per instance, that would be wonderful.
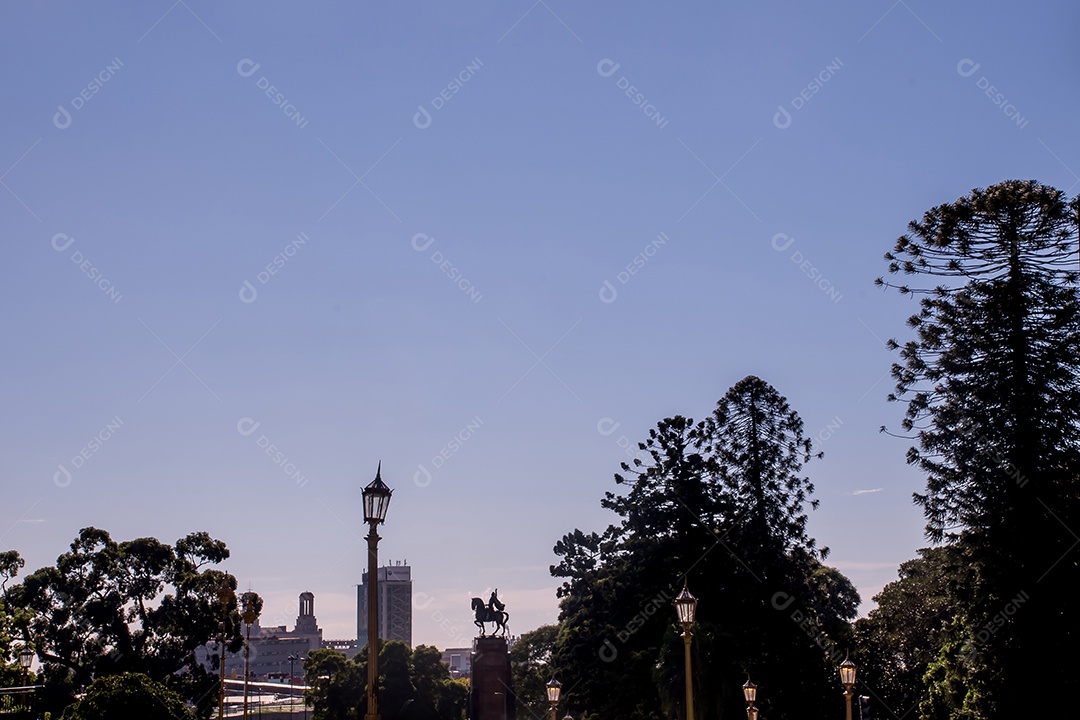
(395, 604)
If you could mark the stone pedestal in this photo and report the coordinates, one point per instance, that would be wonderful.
(491, 697)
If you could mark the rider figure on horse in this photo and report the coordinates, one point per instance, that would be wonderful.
(493, 612)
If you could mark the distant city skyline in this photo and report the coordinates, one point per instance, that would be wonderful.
(255, 249)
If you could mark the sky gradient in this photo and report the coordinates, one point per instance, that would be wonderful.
(257, 248)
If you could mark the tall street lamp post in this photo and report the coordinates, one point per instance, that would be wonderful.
(26, 658)
(553, 689)
(250, 615)
(686, 607)
(749, 691)
(376, 500)
(226, 596)
(847, 679)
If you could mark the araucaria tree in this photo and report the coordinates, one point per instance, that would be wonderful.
(756, 446)
(719, 504)
(993, 401)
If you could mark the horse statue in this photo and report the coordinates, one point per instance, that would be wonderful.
(494, 612)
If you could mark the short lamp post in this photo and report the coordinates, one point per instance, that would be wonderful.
(553, 689)
(250, 614)
(26, 658)
(847, 679)
(749, 691)
(303, 684)
(292, 698)
(376, 500)
(686, 607)
(227, 597)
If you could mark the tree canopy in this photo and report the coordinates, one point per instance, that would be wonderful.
(413, 685)
(126, 696)
(992, 386)
(900, 638)
(719, 505)
(531, 669)
(108, 608)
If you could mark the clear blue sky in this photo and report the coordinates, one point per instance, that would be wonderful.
(472, 238)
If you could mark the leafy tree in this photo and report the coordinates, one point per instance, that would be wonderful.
(250, 602)
(899, 639)
(531, 670)
(453, 699)
(126, 696)
(10, 564)
(720, 505)
(396, 691)
(250, 607)
(143, 606)
(336, 685)
(436, 694)
(413, 685)
(428, 674)
(11, 672)
(993, 400)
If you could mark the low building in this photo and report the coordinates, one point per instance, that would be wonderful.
(271, 648)
(458, 660)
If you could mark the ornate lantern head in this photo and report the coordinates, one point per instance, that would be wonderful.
(376, 499)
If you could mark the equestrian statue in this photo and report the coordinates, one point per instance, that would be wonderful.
(493, 612)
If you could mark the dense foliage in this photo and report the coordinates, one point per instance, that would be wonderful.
(993, 399)
(718, 505)
(531, 670)
(127, 696)
(413, 685)
(900, 638)
(137, 606)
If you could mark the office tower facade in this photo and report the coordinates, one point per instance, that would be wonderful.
(394, 604)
